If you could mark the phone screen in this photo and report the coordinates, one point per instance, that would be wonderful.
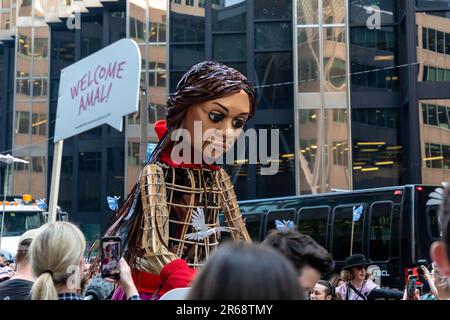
(110, 257)
(411, 287)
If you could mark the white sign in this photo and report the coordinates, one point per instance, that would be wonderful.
(102, 88)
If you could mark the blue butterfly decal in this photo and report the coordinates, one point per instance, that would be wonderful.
(357, 212)
(284, 226)
(113, 202)
(41, 204)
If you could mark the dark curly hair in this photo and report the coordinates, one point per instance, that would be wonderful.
(301, 250)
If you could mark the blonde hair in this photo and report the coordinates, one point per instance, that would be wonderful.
(56, 248)
(347, 276)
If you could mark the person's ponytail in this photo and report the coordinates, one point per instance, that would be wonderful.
(44, 288)
(57, 249)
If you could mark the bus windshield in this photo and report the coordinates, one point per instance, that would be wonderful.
(16, 223)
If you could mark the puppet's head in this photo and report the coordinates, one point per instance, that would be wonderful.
(216, 98)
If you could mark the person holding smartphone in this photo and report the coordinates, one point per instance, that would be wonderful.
(57, 248)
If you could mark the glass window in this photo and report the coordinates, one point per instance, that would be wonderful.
(380, 231)
(162, 32)
(425, 38)
(433, 223)
(342, 231)
(308, 12)
(89, 184)
(133, 153)
(273, 9)
(186, 28)
(436, 154)
(334, 11)
(271, 69)
(308, 63)
(432, 115)
(137, 30)
(313, 222)
(230, 16)
(39, 124)
(253, 225)
(447, 43)
(115, 169)
(440, 74)
(22, 122)
(273, 36)
(184, 56)
(427, 154)
(432, 39)
(424, 113)
(40, 48)
(442, 116)
(230, 47)
(440, 42)
(359, 13)
(446, 155)
(273, 215)
(37, 164)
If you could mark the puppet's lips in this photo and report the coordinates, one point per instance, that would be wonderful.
(219, 144)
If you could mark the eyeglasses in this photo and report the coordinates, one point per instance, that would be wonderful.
(359, 268)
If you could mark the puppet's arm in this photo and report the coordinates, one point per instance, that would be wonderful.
(230, 208)
(155, 224)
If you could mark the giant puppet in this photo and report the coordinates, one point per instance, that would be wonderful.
(173, 211)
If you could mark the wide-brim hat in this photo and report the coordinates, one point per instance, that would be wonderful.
(356, 260)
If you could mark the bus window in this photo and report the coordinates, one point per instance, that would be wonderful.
(380, 231)
(273, 215)
(433, 222)
(313, 222)
(252, 223)
(342, 230)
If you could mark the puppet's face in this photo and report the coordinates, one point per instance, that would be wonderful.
(221, 122)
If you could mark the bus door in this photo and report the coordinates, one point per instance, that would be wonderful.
(272, 215)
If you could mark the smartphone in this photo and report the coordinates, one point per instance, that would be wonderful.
(111, 248)
(411, 287)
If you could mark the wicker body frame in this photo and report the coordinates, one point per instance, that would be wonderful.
(169, 196)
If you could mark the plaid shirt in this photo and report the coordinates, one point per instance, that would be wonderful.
(69, 296)
(74, 296)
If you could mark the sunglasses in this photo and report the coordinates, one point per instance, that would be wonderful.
(359, 268)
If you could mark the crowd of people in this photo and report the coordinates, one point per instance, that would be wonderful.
(287, 265)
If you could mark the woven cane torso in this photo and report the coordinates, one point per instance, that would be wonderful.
(170, 197)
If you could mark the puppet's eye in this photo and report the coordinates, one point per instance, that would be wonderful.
(215, 116)
(238, 123)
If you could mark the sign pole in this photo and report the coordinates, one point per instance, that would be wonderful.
(4, 203)
(351, 240)
(56, 174)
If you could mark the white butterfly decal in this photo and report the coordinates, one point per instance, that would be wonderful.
(199, 224)
(436, 197)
